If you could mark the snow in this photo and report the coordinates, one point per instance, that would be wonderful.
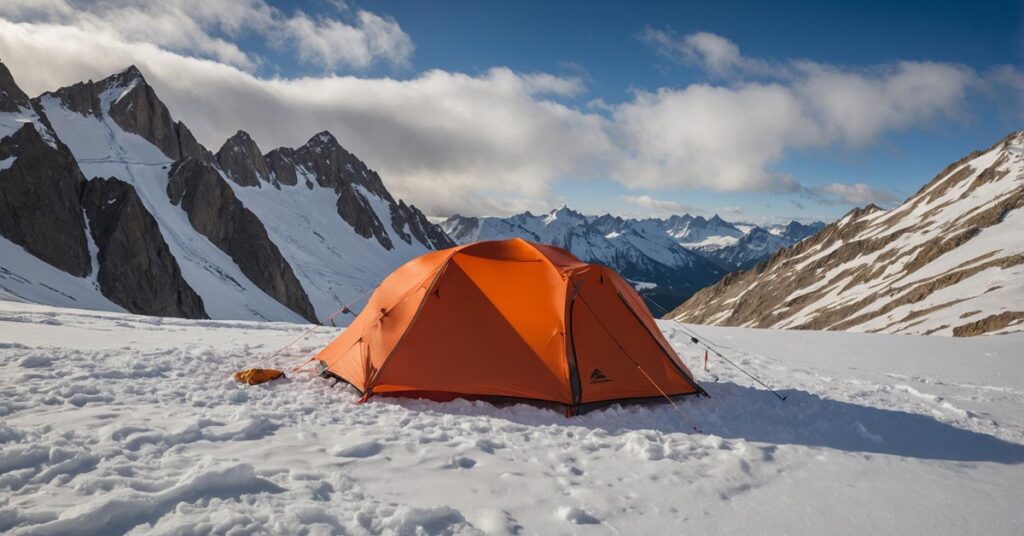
(24, 277)
(711, 242)
(333, 264)
(117, 423)
(6, 163)
(10, 122)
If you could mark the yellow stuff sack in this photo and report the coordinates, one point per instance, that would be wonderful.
(257, 376)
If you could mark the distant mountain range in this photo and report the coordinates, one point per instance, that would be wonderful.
(666, 259)
(949, 260)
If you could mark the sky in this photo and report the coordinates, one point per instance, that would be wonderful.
(759, 111)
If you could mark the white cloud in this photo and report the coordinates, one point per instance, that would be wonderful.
(855, 107)
(727, 137)
(208, 28)
(859, 194)
(709, 137)
(332, 43)
(713, 52)
(1008, 81)
(658, 207)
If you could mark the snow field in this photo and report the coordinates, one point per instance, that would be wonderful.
(114, 423)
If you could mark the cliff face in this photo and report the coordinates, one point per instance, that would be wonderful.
(40, 185)
(136, 268)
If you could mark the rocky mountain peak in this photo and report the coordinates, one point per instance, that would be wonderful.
(323, 138)
(564, 214)
(135, 107)
(242, 161)
(334, 167)
(130, 77)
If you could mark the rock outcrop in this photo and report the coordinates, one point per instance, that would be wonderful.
(40, 185)
(216, 213)
(136, 268)
(241, 160)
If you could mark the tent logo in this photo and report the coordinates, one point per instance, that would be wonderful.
(598, 377)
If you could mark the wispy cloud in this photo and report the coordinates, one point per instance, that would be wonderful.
(713, 52)
(650, 206)
(852, 194)
(211, 29)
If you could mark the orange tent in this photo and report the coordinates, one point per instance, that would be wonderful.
(507, 319)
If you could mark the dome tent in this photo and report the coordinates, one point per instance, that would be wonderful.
(507, 319)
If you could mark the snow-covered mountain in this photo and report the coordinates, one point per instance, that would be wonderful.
(108, 203)
(658, 254)
(660, 269)
(949, 260)
(756, 244)
(696, 232)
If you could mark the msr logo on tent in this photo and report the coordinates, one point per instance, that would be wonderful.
(598, 377)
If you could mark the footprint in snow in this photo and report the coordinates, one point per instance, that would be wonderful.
(577, 516)
(460, 462)
(360, 450)
(35, 361)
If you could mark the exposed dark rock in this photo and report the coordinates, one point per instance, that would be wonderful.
(83, 97)
(242, 161)
(281, 162)
(140, 111)
(189, 147)
(409, 217)
(216, 213)
(334, 167)
(136, 268)
(12, 98)
(39, 201)
(356, 210)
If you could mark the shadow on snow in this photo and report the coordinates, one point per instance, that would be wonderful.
(739, 412)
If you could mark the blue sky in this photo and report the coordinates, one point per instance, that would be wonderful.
(634, 73)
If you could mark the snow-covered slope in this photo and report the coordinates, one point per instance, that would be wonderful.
(115, 423)
(333, 263)
(949, 260)
(662, 271)
(289, 235)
